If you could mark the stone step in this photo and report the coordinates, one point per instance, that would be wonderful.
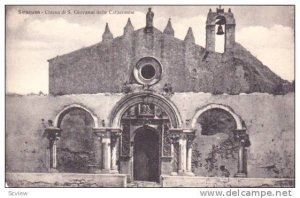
(143, 184)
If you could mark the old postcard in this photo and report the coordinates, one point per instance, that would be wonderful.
(150, 96)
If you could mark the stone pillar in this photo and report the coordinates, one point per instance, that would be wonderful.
(114, 144)
(190, 139)
(174, 137)
(53, 135)
(53, 156)
(106, 152)
(229, 37)
(243, 139)
(109, 138)
(241, 158)
(99, 165)
(184, 138)
(210, 37)
(182, 154)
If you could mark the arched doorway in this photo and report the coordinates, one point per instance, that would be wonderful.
(77, 147)
(218, 145)
(223, 139)
(146, 155)
(138, 111)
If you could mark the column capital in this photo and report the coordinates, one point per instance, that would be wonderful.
(53, 133)
(181, 130)
(174, 137)
(242, 137)
(190, 139)
(181, 133)
(114, 136)
(106, 131)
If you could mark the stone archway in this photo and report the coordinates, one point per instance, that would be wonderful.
(146, 155)
(230, 124)
(76, 149)
(238, 120)
(67, 109)
(144, 97)
(140, 110)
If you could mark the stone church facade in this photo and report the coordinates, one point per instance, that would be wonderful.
(147, 106)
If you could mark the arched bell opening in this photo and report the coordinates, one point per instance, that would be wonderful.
(220, 24)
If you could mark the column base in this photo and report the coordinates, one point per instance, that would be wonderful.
(190, 173)
(185, 173)
(53, 170)
(107, 171)
(240, 175)
(98, 171)
(173, 173)
(114, 171)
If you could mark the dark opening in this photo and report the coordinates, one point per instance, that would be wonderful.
(146, 156)
(76, 148)
(148, 71)
(216, 121)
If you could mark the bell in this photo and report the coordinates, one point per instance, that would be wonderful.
(220, 30)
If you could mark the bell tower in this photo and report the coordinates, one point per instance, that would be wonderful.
(221, 19)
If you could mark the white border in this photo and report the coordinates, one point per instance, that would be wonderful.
(79, 192)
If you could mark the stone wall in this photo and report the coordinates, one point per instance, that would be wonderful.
(269, 120)
(215, 182)
(106, 66)
(55, 180)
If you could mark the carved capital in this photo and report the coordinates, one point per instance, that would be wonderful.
(100, 132)
(242, 137)
(190, 139)
(114, 137)
(53, 133)
(106, 132)
(174, 137)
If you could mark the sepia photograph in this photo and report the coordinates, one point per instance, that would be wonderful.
(150, 96)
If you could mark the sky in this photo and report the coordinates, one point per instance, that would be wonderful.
(32, 39)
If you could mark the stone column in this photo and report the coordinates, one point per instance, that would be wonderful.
(114, 144)
(104, 136)
(53, 156)
(109, 138)
(106, 143)
(241, 158)
(53, 135)
(243, 139)
(190, 139)
(174, 137)
(182, 153)
(100, 155)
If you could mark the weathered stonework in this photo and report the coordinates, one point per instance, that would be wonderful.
(267, 129)
(106, 66)
(188, 122)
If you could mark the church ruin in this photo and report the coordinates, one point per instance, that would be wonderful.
(146, 106)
